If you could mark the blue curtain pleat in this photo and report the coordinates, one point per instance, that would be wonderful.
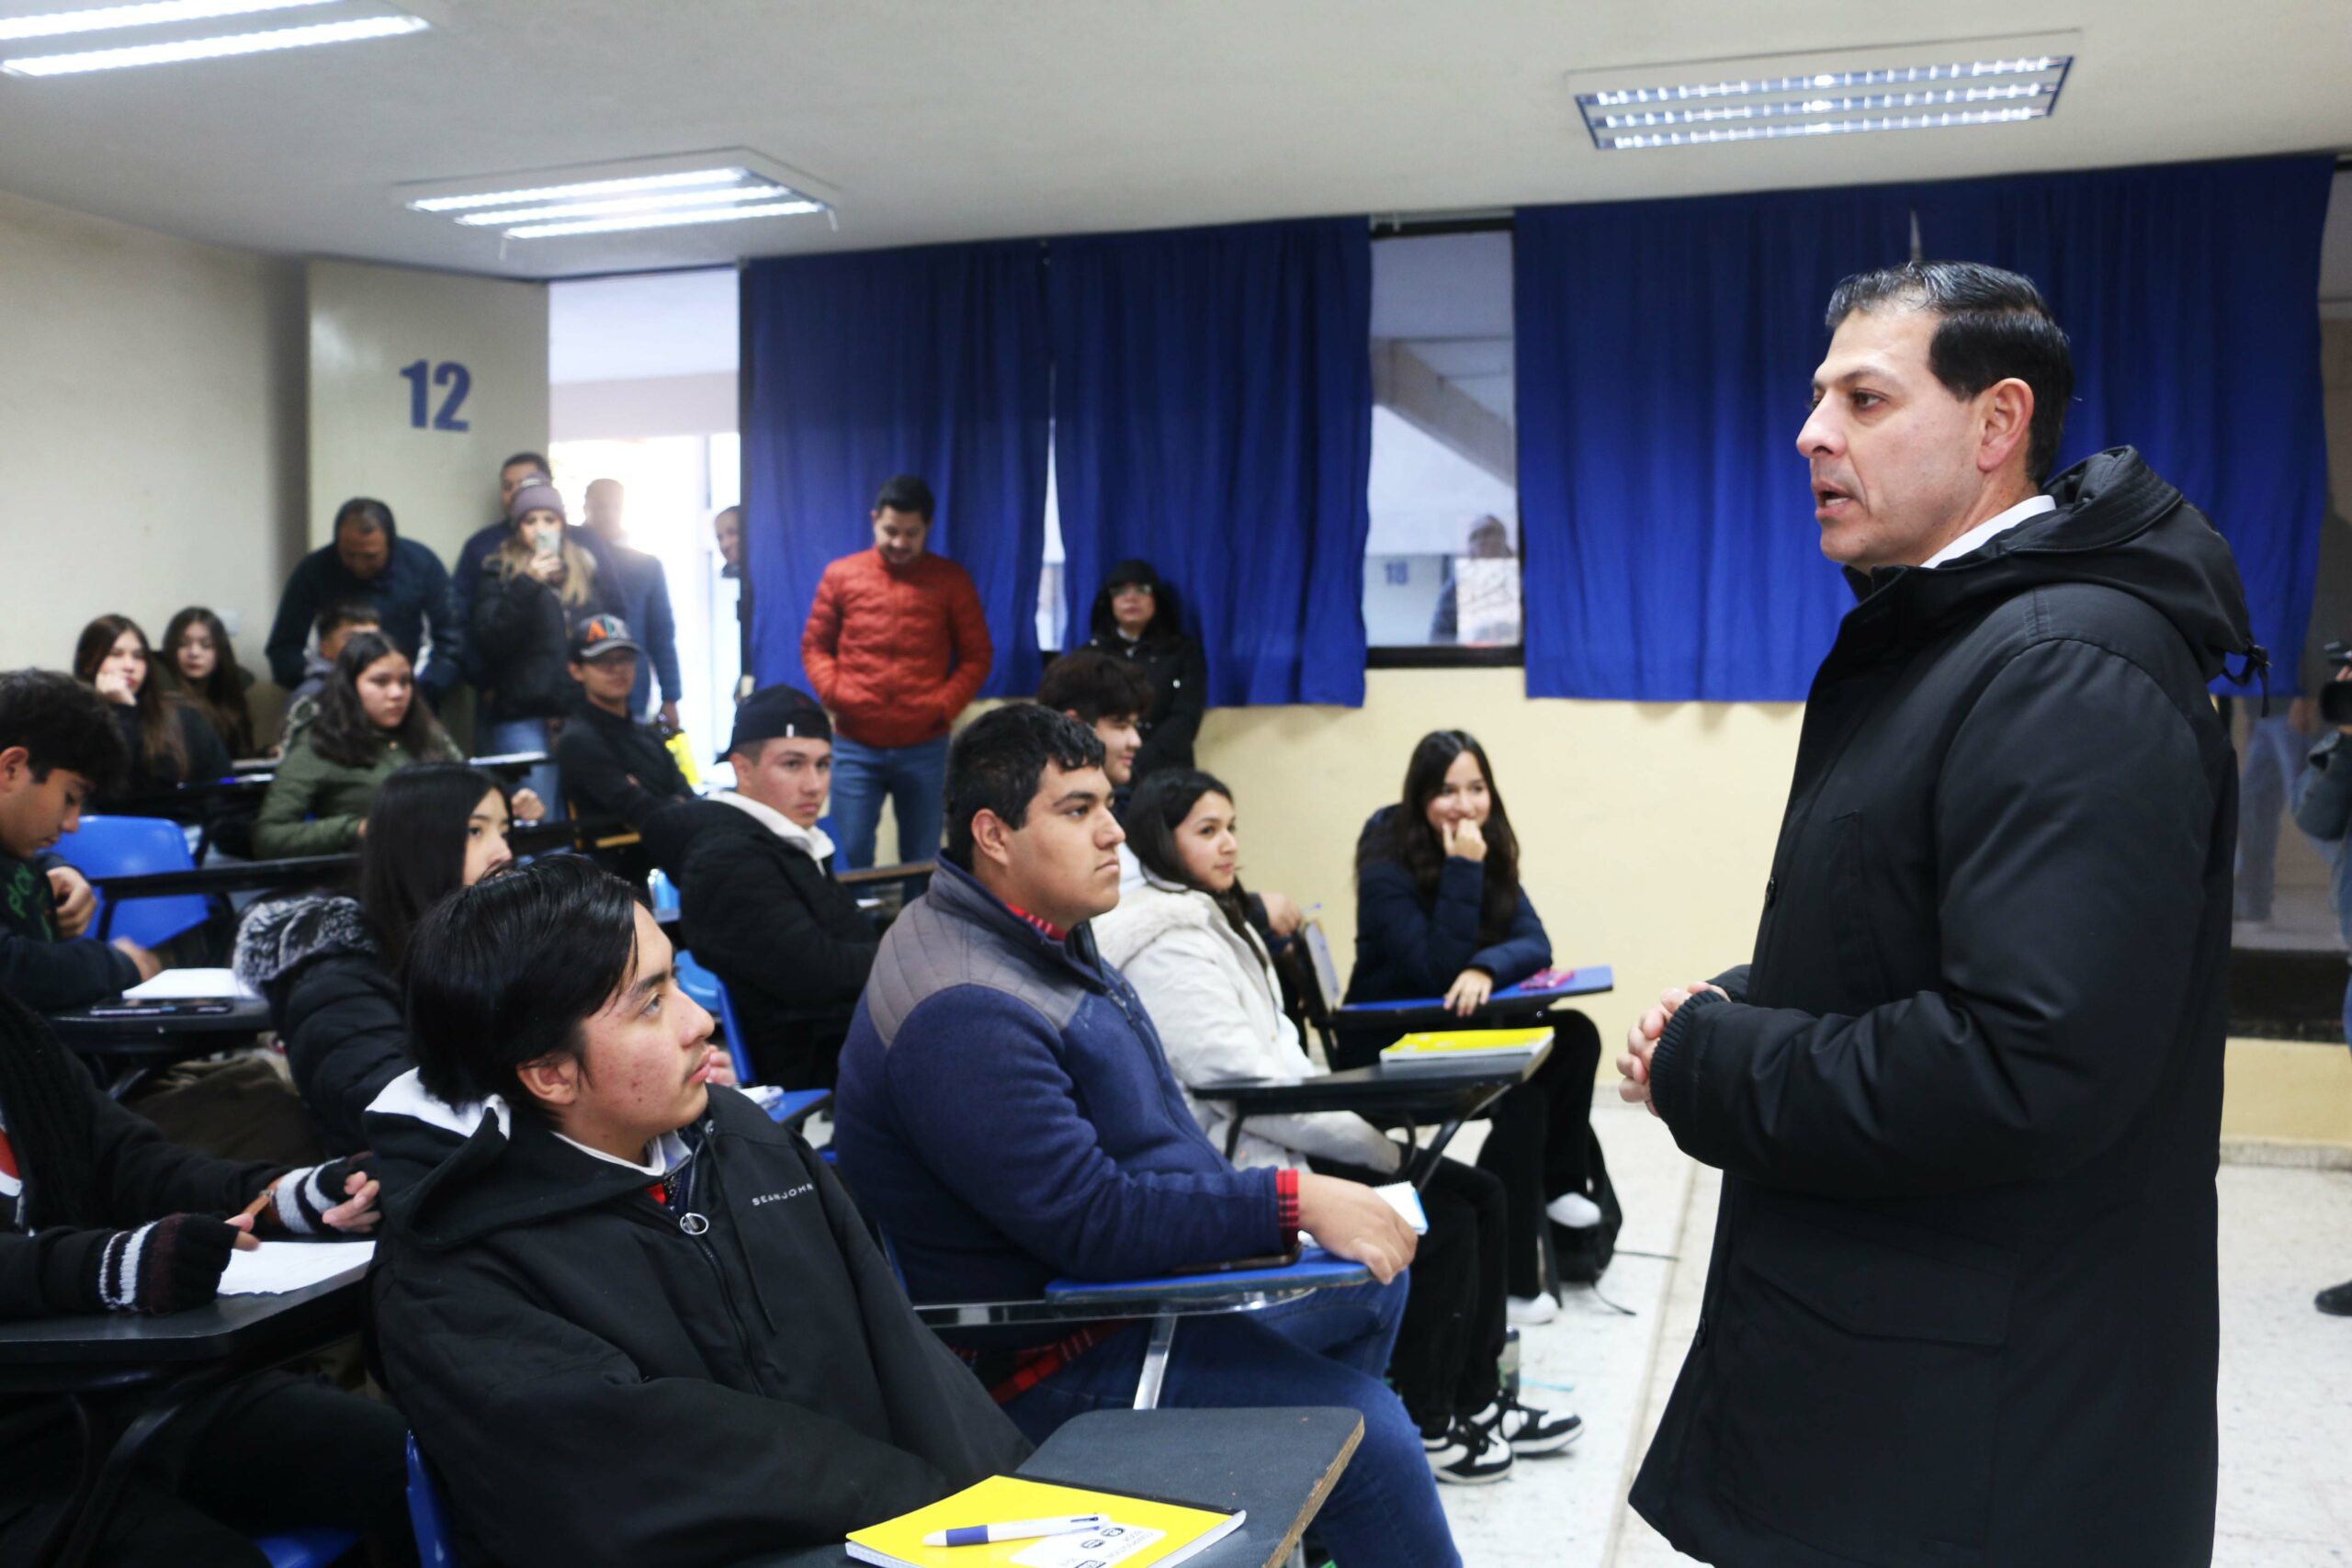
(1665, 353)
(930, 361)
(1212, 415)
(2190, 294)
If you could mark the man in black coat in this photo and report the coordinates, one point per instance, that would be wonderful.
(370, 562)
(1966, 1096)
(758, 899)
(629, 1317)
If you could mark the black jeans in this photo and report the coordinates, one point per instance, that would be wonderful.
(1448, 1360)
(273, 1453)
(1538, 1141)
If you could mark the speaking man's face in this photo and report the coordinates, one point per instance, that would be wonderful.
(1894, 452)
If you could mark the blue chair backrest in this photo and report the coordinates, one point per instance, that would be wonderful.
(426, 1516)
(735, 1051)
(135, 846)
(663, 891)
(306, 1549)
(709, 992)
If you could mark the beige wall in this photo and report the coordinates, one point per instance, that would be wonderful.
(151, 430)
(369, 321)
(1645, 829)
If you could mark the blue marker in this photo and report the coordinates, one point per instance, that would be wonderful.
(1015, 1529)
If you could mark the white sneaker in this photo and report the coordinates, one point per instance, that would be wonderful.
(1468, 1455)
(1575, 1211)
(1527, 1310)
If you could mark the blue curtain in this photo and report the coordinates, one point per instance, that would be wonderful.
(1212, 415)
(861, 365)
(1665, 349)
(2190, 294)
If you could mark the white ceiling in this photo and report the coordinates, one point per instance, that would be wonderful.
(937, 119)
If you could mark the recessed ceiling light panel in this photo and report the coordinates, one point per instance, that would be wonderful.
(1993, 89)
(667, 193)
(155, 13)
(211, 47)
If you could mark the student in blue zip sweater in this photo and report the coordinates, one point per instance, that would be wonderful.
(630, 1318)
(1005, 1110)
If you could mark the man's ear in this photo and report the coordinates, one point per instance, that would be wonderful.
(579, 671)
(2009, 424)
(15, 767)
(553, 1080)
(991, 838)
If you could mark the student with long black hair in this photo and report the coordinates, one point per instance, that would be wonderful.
(1440, 912)
(370, 724)
(200, 664)
(329, 963)
(1183, 939)
(1139, 617)
(170, 742)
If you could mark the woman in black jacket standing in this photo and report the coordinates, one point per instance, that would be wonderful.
(1440, 912)
(1138, 616)
(170, 742)
(535, 591)
(327, 963)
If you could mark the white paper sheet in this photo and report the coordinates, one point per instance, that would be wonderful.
(277, 1266)
(191, 986)
(1407, 1203)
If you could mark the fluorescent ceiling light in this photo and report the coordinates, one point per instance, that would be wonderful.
(657, 202)
(212, 48)
(1903, 97)
(583, 188)
(61, 24)
(792, 209)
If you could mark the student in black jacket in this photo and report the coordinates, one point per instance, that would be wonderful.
(631, 1318)
(58, 746)
(98, 1213)
(327, 963)
(1139, 617)
(760, 907)
(609, 763)
(168, 741)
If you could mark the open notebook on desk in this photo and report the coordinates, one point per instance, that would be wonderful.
(1138, 1533)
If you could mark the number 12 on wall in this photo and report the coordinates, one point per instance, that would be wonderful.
(449, 374)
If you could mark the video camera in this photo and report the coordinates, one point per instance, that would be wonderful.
(2335, 697)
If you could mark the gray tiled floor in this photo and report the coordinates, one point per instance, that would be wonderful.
(2286, 1395)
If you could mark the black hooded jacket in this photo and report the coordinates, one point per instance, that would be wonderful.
(1169, 658)
(1961, 1308)
(335, 1007)
(598, 1380)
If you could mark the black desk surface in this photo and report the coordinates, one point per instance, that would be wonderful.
(50, 1353)
(164, 1032)
(1276, 1464)
(1372, 1089)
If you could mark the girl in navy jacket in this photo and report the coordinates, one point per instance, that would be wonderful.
(1440, 912)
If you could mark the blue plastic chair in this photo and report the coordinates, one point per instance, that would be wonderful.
(306, 1549)
(709, 993)
(662, 891)
(427, 1514)
(136, 846)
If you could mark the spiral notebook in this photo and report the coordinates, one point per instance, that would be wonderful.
(1142, 1532)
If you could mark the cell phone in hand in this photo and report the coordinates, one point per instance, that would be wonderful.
(1547, 980)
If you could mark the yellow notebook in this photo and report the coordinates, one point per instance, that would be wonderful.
(1458, 1047)
(1141, 1533)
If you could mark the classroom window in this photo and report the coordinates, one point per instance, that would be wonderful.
(1441, 563)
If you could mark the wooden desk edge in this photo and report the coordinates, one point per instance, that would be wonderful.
(1315, 1501)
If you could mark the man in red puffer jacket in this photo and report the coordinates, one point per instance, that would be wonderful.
(896, 646)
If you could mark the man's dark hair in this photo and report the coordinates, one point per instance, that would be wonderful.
(370, 513)
(1000, 760)
(61, 723)
(506, 971)
(1095, 685)
(414, 855)
(904, 493)
(1991, 325)
(538, 460)
(345, 613)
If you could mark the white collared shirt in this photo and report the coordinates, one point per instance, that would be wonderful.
(814, 842)
(1991, 528)
(662, 1156)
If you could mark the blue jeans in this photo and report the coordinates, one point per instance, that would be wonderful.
(1326, 1348)
(2266, 773)
(913, 777)
(509, 736)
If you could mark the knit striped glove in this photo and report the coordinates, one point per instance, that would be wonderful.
(298, 1202)
(167, 1265)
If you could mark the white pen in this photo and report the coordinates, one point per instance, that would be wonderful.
(1014, 1529)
